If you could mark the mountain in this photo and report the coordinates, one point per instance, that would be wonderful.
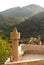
(23, 12)
(33, 26)
(17, 15)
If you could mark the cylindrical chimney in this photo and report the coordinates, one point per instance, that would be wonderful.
(15, 36)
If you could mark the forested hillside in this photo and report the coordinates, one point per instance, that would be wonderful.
(33, 26)
(30, 27)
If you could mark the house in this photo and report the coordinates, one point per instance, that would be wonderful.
(25, 54)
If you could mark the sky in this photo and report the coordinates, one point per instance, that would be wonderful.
(6, 4)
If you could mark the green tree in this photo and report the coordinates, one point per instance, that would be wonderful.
(5, 49)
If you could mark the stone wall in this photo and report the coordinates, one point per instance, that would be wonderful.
(29, 48)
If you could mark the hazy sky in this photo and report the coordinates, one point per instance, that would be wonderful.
(6, 4)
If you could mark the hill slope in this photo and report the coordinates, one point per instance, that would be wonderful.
(9, 20)
(25, 12)
(33, 26)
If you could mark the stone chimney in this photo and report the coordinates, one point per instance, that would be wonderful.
(15, 36)
(39, 38)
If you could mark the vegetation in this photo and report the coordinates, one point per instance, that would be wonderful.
(5, 49)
